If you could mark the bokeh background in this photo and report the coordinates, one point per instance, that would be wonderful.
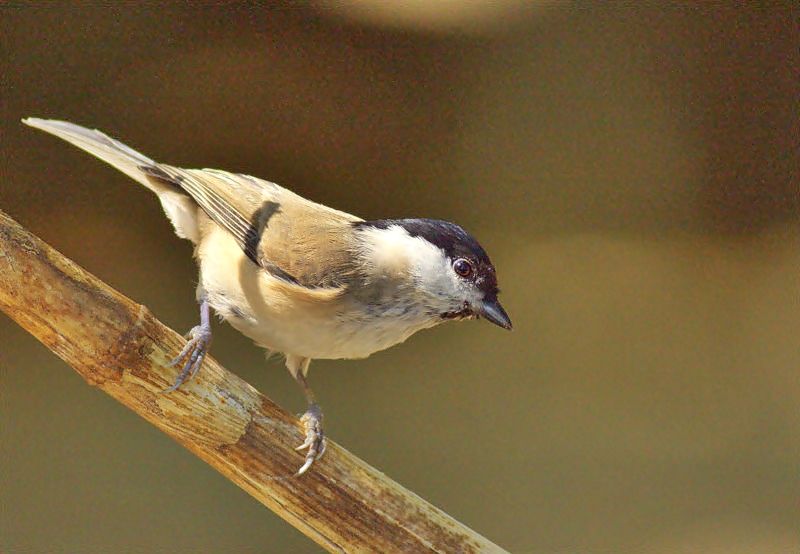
(632, 169)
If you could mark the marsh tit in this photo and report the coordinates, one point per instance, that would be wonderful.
(300, 278)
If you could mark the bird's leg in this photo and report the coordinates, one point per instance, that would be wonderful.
(312, 424)
(196, 349)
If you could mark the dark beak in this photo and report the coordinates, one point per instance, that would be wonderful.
(494, 312)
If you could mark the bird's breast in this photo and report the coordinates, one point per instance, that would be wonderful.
(333, 331)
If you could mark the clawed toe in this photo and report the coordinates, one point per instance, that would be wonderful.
(315, 439)
(192, 355)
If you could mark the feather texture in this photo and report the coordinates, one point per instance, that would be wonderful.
(292, 238)
(295, 240)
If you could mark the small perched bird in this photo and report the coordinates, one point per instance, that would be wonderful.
(300, 278)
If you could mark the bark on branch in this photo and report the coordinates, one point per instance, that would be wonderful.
(117, 345)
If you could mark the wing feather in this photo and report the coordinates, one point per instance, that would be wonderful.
(298, 241)
(293, 239)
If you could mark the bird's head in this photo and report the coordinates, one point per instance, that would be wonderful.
(436, 262)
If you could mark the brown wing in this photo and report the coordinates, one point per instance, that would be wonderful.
(290, 237)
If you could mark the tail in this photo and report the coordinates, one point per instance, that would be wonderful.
(111, 151)
(178, 205)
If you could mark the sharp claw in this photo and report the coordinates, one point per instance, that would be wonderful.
(311, 456)
(196, 365)
(184, 375)
(315, 438)
(182, 355)
(192, 354)
(304, 467)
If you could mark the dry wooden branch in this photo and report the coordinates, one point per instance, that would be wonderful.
(117, 345)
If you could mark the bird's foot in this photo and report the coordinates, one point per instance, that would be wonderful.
(315, 438)
(192, 354)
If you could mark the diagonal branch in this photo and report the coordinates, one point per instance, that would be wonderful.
(117, 345)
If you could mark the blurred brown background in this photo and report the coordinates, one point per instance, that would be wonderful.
(633, 172)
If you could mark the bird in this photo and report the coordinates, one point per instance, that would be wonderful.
(300, 278)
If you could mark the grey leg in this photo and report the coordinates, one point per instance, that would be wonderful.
(312, 423)
(196, 349)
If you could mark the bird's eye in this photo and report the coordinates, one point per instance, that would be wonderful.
(463, 267)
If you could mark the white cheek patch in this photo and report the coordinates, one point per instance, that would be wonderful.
(433, 271)
(392, 252)
(387, 251)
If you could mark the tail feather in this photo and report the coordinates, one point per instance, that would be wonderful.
(178, 205)
(111, 151)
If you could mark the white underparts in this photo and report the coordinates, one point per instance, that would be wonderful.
(182, 213)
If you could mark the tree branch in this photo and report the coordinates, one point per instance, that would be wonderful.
(117, 345)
